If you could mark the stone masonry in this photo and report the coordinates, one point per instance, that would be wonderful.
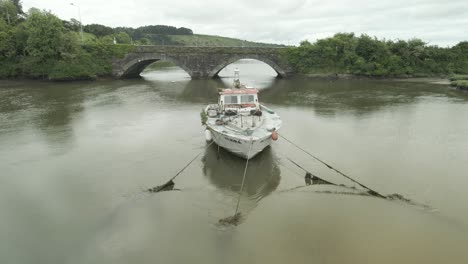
(198, 62)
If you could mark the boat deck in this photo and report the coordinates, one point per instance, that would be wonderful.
(246, 126)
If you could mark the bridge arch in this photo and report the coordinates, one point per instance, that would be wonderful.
(220, 66)
(135, 66)
(198, 62)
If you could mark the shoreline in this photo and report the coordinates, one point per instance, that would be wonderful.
(317, 76)
(460, 85)
(341, 76)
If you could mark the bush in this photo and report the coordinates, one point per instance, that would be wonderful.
(71, 70)
(460, 84)
(10, 68)
(364, 55)
(458, 77)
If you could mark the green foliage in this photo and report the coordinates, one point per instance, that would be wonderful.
(157, 34)
(10, 67)
(203, 117)
(143, 41)
(7, 44)
(160, 30)
(460, 84)
(107, 40)
(67, 70)
(42, 48)
(160, 65)
(18, 5)
(458, 77)
(98, 30)
(364, 55)
(88, 62)
(208, 40)
(72, 25)
(122, 38)
(36, 68)
(88, 38)
(8, 12)
(460, 57)
(45, 35)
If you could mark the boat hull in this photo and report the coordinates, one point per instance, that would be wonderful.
(245, 148)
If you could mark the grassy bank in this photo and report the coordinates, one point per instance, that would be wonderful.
(216, 41)
(459, 81)
(460, 84)
(91, 62)
(159, 65)
(87, 63)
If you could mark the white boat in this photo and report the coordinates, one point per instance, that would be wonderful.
(239, 123)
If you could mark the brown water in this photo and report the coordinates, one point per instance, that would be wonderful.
(75, 157)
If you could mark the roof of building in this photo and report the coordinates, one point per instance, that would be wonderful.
(239, 91)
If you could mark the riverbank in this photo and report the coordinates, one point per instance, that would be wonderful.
(340, 76)
(461, 84)
(459, 81)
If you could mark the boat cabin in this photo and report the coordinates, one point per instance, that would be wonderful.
(242, 100)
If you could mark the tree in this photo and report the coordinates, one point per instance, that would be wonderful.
(98, 30)
(108, 40)
(19, 6)
(8, 12)
(143, 41)
(45, 35)
(460, 57)
(72, 25)
(122, 38)
(7, 44)
(46, 43)
(184, 31)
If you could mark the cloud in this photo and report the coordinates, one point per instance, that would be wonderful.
(280, 21)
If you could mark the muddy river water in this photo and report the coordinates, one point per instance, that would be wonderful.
(75, 159)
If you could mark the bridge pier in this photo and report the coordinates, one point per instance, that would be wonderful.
(198, 62)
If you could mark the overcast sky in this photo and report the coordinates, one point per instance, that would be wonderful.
(438, 22)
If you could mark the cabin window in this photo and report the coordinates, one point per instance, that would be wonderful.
(247, 99)
(230, 99)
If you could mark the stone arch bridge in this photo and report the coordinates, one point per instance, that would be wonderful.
(198, 62)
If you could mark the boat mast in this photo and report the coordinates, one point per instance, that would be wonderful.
(237, 83)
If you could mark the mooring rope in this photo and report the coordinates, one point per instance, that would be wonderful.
(170, 181)
(188, 164)
(314, 177)
(243, 178)
(371, 191)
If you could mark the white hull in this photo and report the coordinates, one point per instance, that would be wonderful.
(245, 148)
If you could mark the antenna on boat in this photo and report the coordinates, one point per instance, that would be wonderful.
(237, 83)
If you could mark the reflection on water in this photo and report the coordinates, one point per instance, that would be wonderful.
(201, 91)
(226, 171)
(360, 96)
(47, 108)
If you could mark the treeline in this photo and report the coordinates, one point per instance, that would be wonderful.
(157, 34)
(38, 45)
(369, 56)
